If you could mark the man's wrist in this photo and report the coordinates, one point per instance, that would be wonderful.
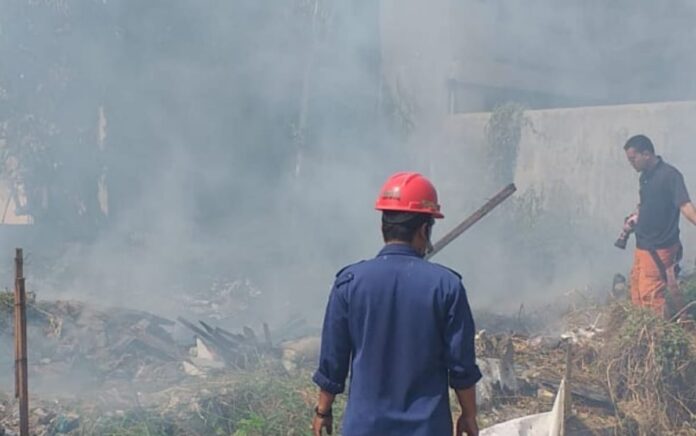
(323, 413)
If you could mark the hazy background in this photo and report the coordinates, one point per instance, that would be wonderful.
(165, 146)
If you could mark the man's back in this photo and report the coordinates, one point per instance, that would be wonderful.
(408, 322)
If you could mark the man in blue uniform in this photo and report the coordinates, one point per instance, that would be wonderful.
(403, 327)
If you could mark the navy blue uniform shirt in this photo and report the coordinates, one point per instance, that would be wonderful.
(404, 328)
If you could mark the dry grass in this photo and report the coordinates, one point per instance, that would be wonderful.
(250, 403)
(650, 367)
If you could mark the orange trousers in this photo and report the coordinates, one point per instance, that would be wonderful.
(648, 285)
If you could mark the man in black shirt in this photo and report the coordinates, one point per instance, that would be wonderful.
(663, 197)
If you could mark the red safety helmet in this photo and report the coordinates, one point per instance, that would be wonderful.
(409, 192)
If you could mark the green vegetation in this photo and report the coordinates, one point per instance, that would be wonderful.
(503, 133)
(650, 365)
(689, 288)
(260, 403)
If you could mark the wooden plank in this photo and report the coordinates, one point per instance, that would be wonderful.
(225, 353)
(213, 332)
(585, 392)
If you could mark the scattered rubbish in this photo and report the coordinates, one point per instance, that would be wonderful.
(301, 352)
(540, 424)
(225, 299)
(131, 366)
(192, 370)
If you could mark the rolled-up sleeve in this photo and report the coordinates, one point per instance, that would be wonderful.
(334, 358)
(459, 342)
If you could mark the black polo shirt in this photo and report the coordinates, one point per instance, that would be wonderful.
(662, 194)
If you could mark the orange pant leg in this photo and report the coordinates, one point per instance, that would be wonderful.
(651, 290)
(651, 287)
(635, 280)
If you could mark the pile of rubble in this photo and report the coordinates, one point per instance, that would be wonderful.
(118, 343)
(522, 375)
(134, 367)
(619, 361)
(117, 357)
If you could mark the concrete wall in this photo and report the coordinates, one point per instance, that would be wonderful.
(575, 186)
(581, 150)
(572, 168)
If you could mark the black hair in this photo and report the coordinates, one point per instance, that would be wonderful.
(641, 144)
(402, 226)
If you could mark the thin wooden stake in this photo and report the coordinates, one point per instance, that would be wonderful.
(21, 373)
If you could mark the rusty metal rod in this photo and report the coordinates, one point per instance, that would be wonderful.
(16, 329)
(21, 373)
(472, 219)
(19, 273)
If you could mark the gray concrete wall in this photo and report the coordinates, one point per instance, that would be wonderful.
(582, 150)
(571, 167)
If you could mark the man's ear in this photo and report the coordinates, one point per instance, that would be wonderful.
(424, 230)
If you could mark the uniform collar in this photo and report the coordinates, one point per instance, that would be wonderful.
(649, 173)
(398, 249)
